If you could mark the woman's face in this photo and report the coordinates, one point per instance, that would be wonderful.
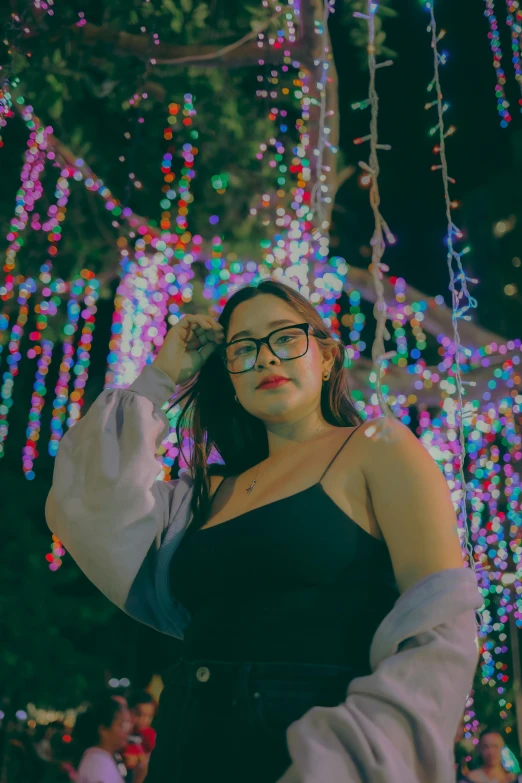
(490, 748)
(301, 394)
(117, 734)
(143, 715)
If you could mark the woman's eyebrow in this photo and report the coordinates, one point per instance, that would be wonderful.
(247, 333)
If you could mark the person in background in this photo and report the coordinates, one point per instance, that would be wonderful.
(103, 731)
(142, 740)
(43, 739)
(132, 756)
(491, 743)
(120, 697)
(64, 760)
(461, 754)
(143, 709)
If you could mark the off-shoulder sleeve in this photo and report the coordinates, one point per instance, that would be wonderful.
(107, 507)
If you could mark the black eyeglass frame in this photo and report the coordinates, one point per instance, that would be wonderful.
(259, 341)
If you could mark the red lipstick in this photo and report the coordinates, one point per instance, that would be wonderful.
(273, 382)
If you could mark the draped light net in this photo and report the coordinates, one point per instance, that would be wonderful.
(160, 276)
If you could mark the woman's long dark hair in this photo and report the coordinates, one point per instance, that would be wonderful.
(216, 420)
(87, 727)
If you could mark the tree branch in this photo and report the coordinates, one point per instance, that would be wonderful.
(312, 12)
(344, 175)
(239, 54)
(437, 320)
(400, 382)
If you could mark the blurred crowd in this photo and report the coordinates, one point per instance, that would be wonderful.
(111, 742)
(113, 738)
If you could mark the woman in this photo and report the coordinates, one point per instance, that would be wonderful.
(276, 567)
(491, 769)
(103, 730)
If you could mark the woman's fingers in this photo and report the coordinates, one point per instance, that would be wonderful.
(203, 323)
(198, 330)
(206, 351)
(201, 337)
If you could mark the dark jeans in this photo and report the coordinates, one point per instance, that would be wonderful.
(221, 722)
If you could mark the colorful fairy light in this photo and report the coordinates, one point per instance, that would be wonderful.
(44, 5)
(462, 301)
(6, 110)
(64, 375)
(496, 48)
(150, 293)
(465, 427)
(320, 192)
(29, 193)
(80, 370)
(514, 23)
(299, 254)
(158, 279)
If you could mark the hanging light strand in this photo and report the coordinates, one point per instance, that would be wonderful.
(496, 48)
(462, 300)
(320, 193)
(381, 231)
(514, 22)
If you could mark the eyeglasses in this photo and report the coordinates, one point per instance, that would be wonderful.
(287, 343)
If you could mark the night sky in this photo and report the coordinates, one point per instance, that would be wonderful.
(485, 160)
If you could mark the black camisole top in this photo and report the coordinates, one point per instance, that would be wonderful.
(296, 580)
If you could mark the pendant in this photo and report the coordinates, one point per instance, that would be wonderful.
(251, 487)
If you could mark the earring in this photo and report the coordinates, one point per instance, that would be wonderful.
(326, 376)
(235, 397)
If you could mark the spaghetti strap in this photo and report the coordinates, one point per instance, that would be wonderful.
(338, 452)
(212, 499)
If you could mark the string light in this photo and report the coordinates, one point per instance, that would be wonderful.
(462, 301)
(496, 48)
(147, 291)
(514, 22)
(158, 279)
(475, 431)
(28, 194)
(320, 194)
(381, 231)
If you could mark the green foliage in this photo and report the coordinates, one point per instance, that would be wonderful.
(46, 618)
(88, 94)
(359, 31)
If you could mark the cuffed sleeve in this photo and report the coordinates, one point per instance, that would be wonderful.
(106, 505)
(398, 724)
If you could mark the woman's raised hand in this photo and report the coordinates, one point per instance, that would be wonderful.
(188, 345)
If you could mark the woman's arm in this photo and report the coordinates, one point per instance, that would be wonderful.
(105, 504)
(412, 504)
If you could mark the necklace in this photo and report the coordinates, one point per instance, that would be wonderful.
(252, 486)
